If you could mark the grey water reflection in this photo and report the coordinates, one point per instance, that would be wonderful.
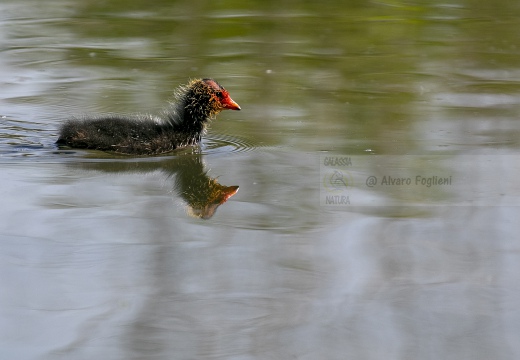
(201, 193)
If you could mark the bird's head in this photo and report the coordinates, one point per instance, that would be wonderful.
(219, 97)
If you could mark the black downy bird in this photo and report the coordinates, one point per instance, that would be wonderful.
(181, 124)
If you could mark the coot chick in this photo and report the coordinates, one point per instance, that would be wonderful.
(181, 124)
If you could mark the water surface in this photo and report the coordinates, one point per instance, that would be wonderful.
(115, 257)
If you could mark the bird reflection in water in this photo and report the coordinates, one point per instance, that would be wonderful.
(202, 193)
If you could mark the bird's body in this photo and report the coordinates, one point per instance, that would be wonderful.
(181, 124)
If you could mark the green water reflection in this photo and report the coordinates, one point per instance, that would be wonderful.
(329, 76)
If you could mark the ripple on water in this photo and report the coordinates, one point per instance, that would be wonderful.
(21, 138)
(221, 143)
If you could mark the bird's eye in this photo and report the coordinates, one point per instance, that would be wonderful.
(219, 94)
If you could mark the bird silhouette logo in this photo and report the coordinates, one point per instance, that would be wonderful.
(337, 181)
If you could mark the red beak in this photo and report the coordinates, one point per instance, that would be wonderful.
(230, 104)
(228, 191)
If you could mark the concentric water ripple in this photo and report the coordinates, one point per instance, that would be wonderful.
(222, 143)
(21, 138)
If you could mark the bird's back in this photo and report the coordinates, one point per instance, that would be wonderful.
(139, 134)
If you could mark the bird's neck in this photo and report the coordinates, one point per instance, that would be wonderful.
(191, 124)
